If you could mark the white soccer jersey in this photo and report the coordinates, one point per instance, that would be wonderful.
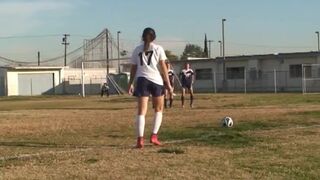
(170, 72)
(147, 63)
(186, 75)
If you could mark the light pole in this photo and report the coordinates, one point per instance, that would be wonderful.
(223, 50)
(210, 41)
(65, 43)
(107, 53)
(220, 43)
(317, 32)
(118, 35)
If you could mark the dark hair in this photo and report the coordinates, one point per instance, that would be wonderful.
(149, 31)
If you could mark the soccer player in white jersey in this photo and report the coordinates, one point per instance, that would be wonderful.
(149, 81)
(168, 95)
(187, 80)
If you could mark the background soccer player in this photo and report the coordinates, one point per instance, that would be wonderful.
(187, 80)
(149, 80)
(105, 89)
(168, 95)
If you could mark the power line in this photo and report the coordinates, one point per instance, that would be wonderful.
(30, 36)
(40, 36)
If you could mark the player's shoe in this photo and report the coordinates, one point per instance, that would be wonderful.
(154, 140)
(140, 143)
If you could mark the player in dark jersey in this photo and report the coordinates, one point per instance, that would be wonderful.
(169, 96)
(187, 80)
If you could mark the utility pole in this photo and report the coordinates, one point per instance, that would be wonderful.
(65, 43)
(223, 51)
(220, 44)
(118, 38)
(38, 58)
(210, 41)
(317, 32)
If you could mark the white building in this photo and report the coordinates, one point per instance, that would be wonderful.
(256, 73)
(25, 81)
(30, 81)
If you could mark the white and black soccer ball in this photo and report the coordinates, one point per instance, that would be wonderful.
(227, 122)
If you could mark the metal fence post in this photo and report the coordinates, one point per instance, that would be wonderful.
(82, 80)
(245, 80)
(303, 78)
(275, 80)
(215, 82)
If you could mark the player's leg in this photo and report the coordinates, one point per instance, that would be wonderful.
(171, 100)
(143, 94)
(183, 93)
(157, 92)
(108, 94)
(140, 120)
(191, 96)
(157, 120)
(166, 95)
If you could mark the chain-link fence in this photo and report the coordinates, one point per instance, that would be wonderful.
(208, 78)
(93, 85)
(262, 81)
(267, 81)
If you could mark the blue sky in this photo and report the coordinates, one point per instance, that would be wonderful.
(252, 27)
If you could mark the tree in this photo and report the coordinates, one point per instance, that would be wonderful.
(123, 53)
(192, 50)
(206, 53)
(171, 56)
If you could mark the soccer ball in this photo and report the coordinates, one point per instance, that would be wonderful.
(227, 122)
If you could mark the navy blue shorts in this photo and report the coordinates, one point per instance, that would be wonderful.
(145, 88)
(186, 85)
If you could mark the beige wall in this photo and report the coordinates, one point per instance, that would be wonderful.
(12, 80)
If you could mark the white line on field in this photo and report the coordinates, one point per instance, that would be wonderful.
(88, 148)
(29, 156)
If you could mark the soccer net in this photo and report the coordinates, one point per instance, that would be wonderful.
(310, 78)
(94, 74)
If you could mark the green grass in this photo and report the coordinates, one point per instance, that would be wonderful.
(172, 150)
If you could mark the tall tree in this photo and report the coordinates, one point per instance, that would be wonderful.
(192, 50)
(171, 56)
(206, 53)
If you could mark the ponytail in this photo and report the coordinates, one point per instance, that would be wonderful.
(148, 36)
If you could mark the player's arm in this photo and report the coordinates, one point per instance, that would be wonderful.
(165, 74)
(193, 77)
(173, 76)
(164, 69)
(133, 72)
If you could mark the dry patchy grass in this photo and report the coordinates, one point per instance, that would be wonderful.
(274, 137)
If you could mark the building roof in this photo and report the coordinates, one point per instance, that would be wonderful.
(33, 67)
(260, 57)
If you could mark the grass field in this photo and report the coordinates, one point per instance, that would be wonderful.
(274, 137)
